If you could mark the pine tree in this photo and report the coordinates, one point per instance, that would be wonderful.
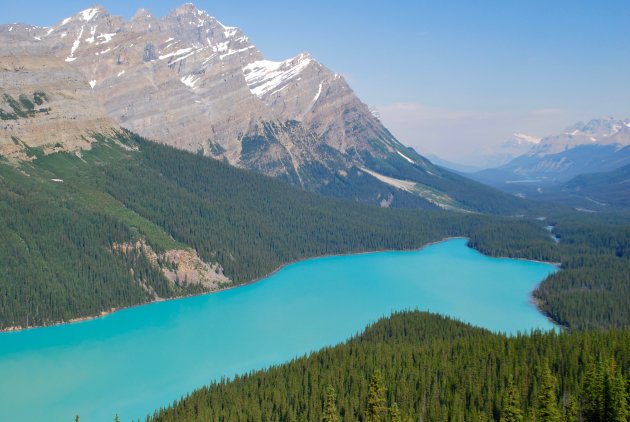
(76, 418)
(547, 402)
(330, 406)
(394, 412)
(117, 419)
(571, 412)
(615, 401)
(512, 405)
(593, 393)
(376, 398)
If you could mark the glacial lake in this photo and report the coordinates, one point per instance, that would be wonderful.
(139, 359)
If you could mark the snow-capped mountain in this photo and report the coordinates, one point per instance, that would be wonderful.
(521, 140)
(491, 156)
(189, 81)
(512, 147)
(600, 145)
(608, 131)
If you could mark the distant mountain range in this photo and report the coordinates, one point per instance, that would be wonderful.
(451, 165)
(548, 170)
(490, 157)
(188, 81)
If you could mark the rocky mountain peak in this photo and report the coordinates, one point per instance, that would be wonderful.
(142, 14)
(602, 131)
(191, 82)
(88, 15)
(596, 127)
(186, 9)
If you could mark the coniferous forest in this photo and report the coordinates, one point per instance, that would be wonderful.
(422, 367)
(58, 236)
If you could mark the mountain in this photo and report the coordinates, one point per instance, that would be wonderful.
(456, 167)
(605, 191)
(188, 81)
(600, 145)
(514, 146)
(609, 189)
(490, 156)
(598, 132)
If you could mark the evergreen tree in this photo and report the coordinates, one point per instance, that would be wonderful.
(376, 398)
(571, 411)
(394, 412)
(615, 400)
(512, 405)
(593, 393)
(330, 406)
(547, 402)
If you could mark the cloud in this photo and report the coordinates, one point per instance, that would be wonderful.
(465, 135)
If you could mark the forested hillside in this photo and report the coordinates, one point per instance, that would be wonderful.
(65, 216)
(418, 366)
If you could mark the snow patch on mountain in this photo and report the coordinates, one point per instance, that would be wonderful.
(176, 53)
(105, 38)
(265, 76)
(75, 45)
(190, 80)
(405, 157)
(521, 138)
(88, 14)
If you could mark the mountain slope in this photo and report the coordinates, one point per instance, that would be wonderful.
(189, 81)
(610, 188)
(606, 191)
(598, 146)
(46, 103)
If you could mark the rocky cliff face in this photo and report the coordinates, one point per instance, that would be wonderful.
(46, 104)
(189, 81)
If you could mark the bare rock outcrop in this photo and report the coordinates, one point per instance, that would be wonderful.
(182, 267)
(47, 104)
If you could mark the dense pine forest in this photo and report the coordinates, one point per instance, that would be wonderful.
(61, 214)
(423, 367)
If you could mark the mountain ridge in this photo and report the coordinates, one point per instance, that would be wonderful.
(600, 145)
(189, 81)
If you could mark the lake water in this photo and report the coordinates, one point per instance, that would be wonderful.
(136, 360)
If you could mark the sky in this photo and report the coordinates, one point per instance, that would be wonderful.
(450, 78)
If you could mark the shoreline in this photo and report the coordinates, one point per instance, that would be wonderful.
(532, 300)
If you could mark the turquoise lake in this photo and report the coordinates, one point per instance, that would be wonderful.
(136, 360)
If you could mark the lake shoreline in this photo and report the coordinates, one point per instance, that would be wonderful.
(533, 301)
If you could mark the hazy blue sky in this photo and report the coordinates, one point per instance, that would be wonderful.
(447, 76)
